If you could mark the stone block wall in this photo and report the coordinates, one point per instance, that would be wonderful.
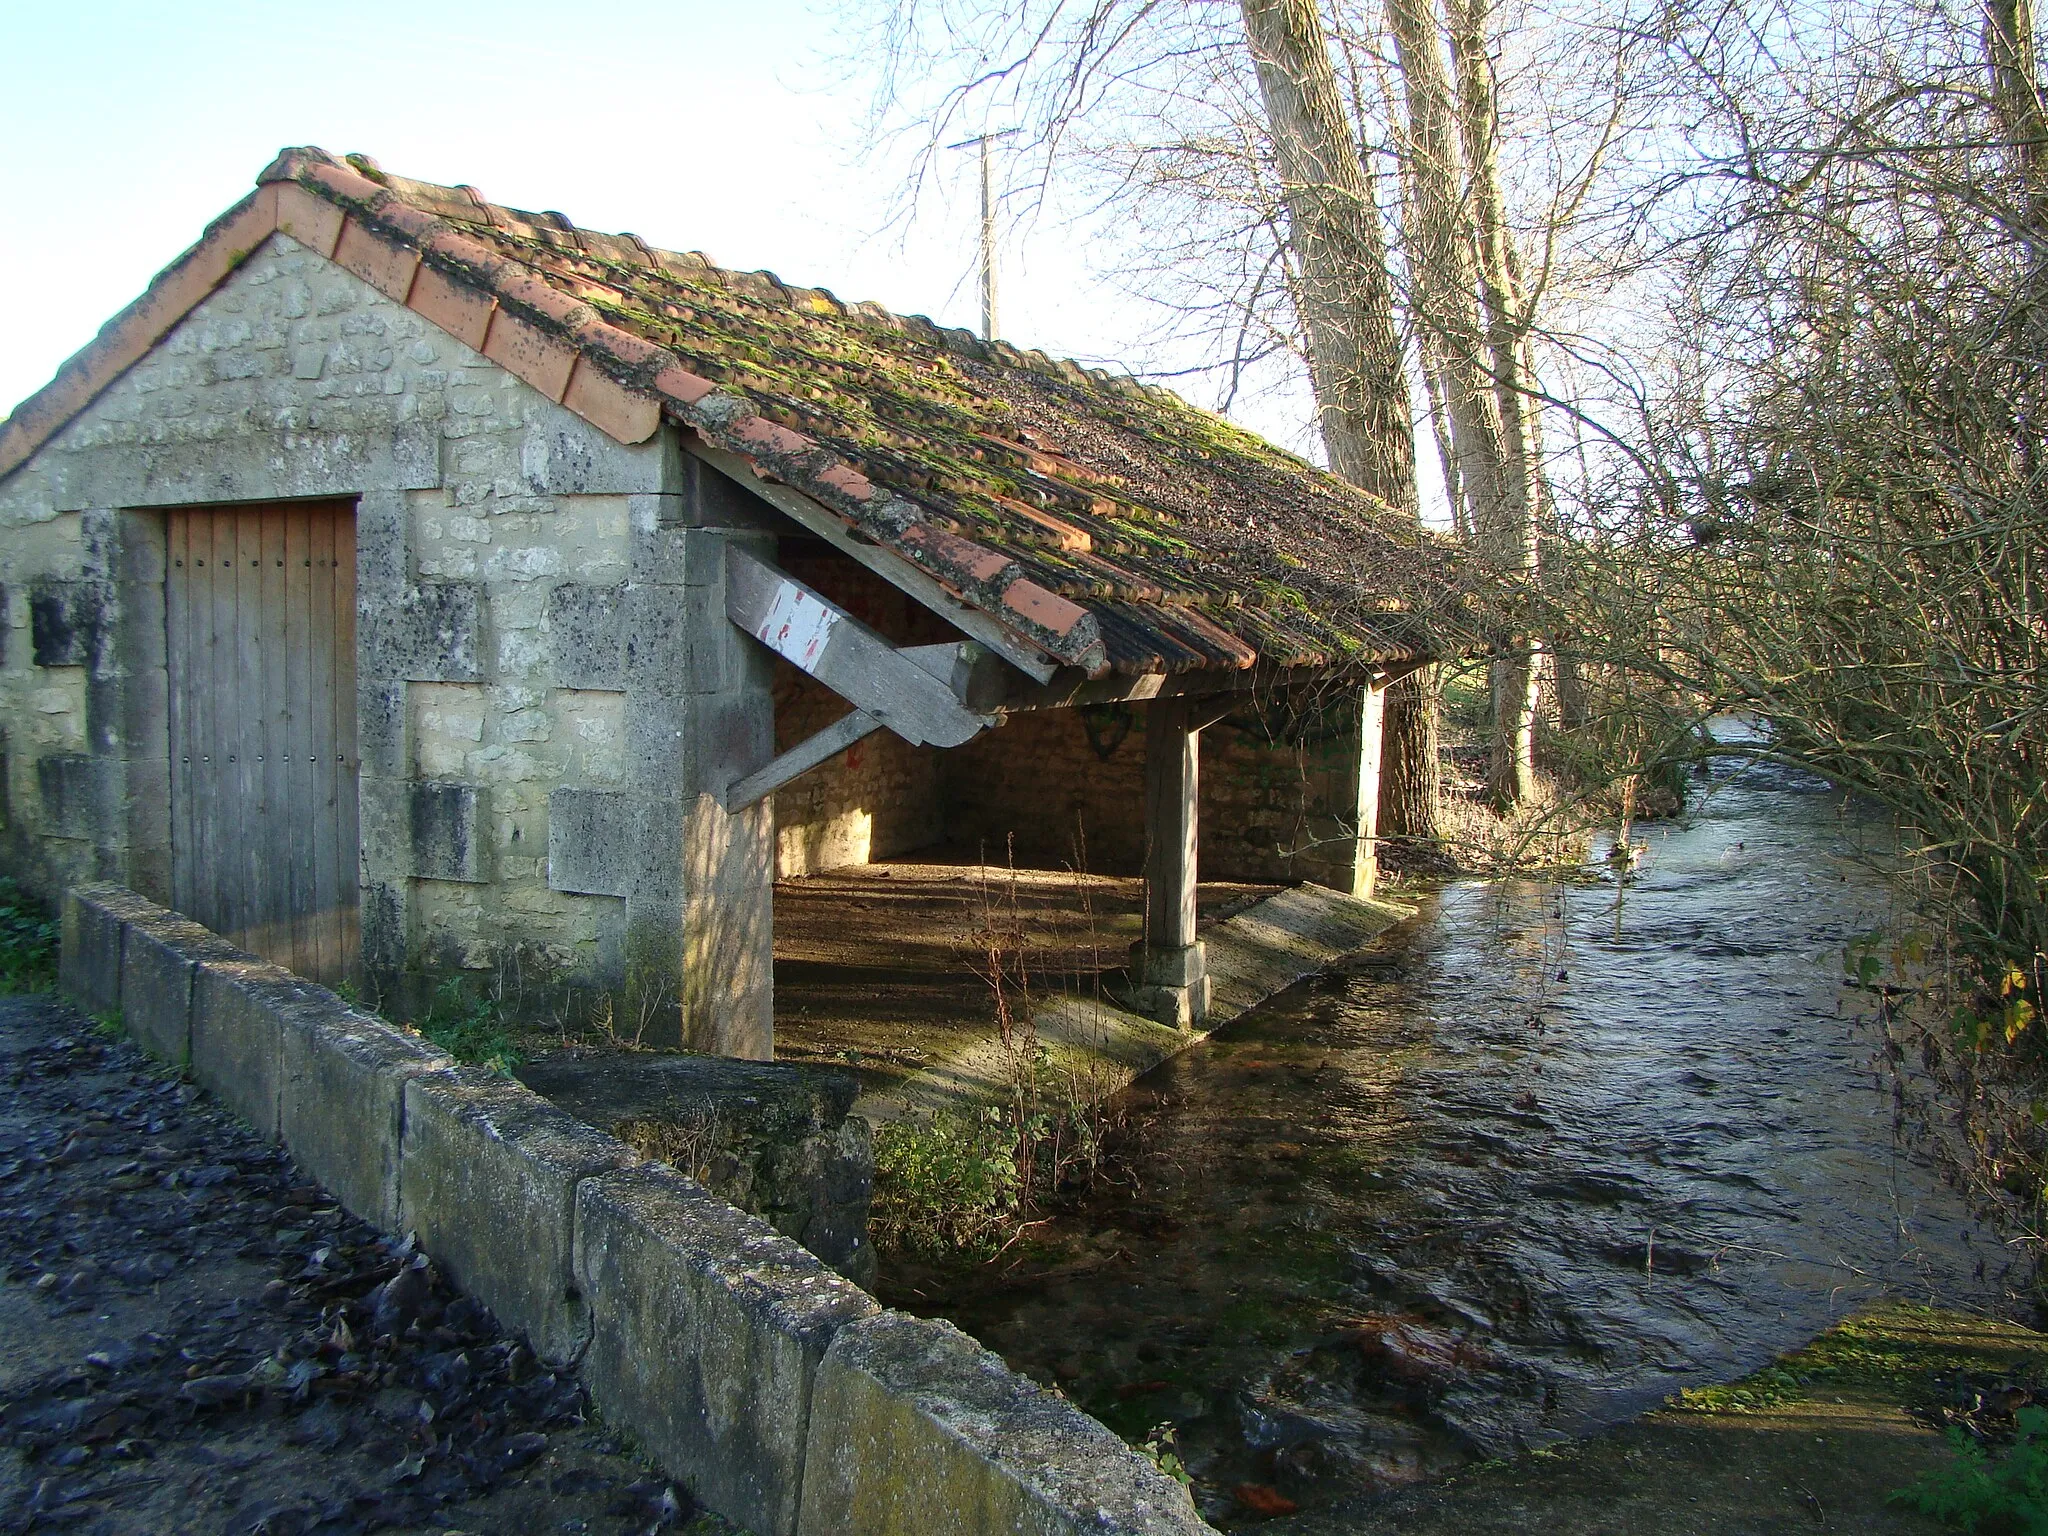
(44, 750)
(1280, 791)
(540, 629)
(1066, 788)
(1056, 788)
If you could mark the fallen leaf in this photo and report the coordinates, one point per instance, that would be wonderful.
(1262, 1500)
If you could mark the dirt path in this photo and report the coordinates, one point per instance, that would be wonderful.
(1817, 1443)
(194, 1338)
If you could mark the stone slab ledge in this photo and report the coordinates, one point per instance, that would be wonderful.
(1261, 952)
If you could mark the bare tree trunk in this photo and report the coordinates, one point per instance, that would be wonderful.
(1441, 276)
(1340, 259)
(1411, 780)
(2016, 84)
(1346, 304)
(1568, 682)
(1437, 390)
(1573, 711)
(1512, 768)
(1441, 241)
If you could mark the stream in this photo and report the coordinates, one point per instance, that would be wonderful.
(1547, 1154)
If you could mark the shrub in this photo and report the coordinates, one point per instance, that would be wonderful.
(946, 1185)
(2003, 1497)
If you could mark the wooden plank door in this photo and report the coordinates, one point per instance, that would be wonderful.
(260, 632)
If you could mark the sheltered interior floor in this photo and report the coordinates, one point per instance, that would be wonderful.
(884, 967)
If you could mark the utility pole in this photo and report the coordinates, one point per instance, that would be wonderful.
(988, 250)
(982, 141)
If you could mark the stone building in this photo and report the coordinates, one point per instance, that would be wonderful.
(408, 585)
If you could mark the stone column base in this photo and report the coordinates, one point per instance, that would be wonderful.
(1170, 985)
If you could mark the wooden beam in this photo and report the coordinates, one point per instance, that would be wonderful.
(1372, 713)
(891, 567)
(1173, 767)
(978, 677)
(844, 654)
(800, 759)
(1072, 689)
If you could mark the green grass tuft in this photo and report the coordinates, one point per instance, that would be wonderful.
(468, 1027)
(28, 942)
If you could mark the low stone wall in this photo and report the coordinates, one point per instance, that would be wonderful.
(784, 1395)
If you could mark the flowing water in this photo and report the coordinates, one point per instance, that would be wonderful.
(1548, 1154)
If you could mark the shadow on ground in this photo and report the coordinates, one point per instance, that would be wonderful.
(1816, 1443)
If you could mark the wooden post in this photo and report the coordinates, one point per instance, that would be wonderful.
(1169, 968)
(1173, 775)
(1372, 714)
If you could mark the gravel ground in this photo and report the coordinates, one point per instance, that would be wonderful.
(195, 1338)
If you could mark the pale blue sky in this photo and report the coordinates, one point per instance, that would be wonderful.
(700, 124)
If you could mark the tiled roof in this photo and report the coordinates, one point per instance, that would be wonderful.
(1107, 522)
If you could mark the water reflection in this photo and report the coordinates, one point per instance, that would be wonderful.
(1549, 1154)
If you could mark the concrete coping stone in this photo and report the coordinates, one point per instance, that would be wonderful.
(341, 1098)
(162, 954)
(92, 924)
(916, 1427)
(239, 1005)
(487, 1178)
(709, 1328)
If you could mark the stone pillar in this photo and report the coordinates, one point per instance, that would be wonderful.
(412, 829)
(697, 883)
(1170, 974)
(384, 751)
(700, 940)
(120, 793)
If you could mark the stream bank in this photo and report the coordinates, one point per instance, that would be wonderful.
(1824, 1455)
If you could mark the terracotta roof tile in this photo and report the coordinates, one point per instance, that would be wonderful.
(629, 415)
(385, 264)
(460, 309)
(524, 349)
(1107, 522)
(312, 221)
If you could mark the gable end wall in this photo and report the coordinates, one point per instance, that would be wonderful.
(506, 551)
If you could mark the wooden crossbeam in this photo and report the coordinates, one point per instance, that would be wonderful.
(888, 565)
(845, 655)
(800, 759)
